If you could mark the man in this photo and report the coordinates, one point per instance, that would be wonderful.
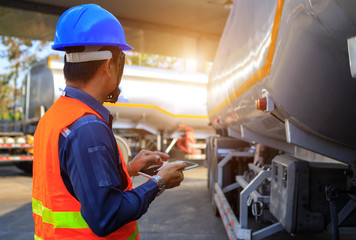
(81, 186)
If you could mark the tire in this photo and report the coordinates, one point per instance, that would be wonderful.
(124, 147)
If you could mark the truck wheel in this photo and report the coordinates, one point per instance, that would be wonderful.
(124, 147)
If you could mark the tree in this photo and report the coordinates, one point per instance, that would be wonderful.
(5, 90)
(20, 53)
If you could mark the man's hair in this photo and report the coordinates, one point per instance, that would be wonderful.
(84, 71)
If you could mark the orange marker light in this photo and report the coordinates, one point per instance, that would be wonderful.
(261, 104)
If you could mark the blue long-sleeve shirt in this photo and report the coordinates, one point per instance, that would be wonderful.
(91, 171)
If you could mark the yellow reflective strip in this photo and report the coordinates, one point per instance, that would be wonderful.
(136, 105)
(37, 238)
(36, 207)
(134, 235)
(58, 219)
(263, 71)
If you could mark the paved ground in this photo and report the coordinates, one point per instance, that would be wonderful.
(181, 213)
(178, 214)
(15, 204)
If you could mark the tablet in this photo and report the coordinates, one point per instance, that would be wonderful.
(153, 170)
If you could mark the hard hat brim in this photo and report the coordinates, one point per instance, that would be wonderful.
(60, 47)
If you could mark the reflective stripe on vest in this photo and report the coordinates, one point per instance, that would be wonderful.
(132, 237)
(58, 219)
(37, 238)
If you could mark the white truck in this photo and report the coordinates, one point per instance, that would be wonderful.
(158, 109)
(281, 98)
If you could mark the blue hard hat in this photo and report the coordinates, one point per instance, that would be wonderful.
(89, 24)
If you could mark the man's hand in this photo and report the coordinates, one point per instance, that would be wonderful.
(144, 159)
(172, 174)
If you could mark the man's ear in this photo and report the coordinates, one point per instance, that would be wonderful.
(106, 67)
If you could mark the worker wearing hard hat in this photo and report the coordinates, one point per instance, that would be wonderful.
(81, 186)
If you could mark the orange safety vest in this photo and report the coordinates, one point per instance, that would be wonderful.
(55, 211)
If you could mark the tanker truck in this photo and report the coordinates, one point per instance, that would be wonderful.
(281, 100)
(158, 109)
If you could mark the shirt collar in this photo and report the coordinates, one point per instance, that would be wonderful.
(88, 100)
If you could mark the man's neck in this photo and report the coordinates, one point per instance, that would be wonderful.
(89, 89)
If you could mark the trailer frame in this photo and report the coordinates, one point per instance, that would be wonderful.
(238, 229)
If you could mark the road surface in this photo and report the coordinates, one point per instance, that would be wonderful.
(181, 213)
